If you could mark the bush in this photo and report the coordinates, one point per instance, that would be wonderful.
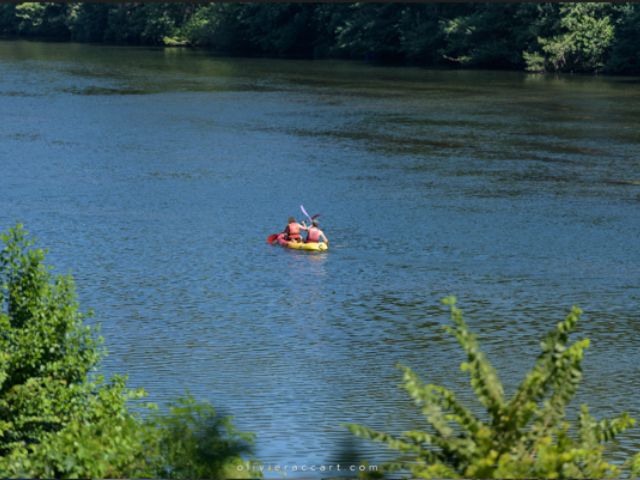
(587, 33)
(526, 436)
(193, 441)
(58, 420)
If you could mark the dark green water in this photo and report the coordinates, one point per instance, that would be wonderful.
(155, 175)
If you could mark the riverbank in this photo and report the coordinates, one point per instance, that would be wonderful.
(582, 37)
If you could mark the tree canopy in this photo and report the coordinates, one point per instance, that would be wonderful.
(554, 37)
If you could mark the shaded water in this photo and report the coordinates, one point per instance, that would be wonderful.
(154, 175)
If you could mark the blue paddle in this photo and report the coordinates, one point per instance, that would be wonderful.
(310, 217)
(305, 213)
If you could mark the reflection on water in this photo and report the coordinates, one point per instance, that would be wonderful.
(155, 175)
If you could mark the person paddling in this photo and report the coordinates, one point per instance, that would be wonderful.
(315, 235)
(293, 229)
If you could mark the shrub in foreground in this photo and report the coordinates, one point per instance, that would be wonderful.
(60, 420)
(525, 436)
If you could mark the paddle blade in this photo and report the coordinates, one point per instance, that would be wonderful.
(272, 238)
(315, 216)
(305, 212)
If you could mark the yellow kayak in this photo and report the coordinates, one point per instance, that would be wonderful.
(311, 246)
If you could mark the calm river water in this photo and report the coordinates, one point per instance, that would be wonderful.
(155, 175)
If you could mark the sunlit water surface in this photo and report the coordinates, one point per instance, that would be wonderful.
(155, 175)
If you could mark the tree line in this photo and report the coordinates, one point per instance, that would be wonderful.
(551, 37)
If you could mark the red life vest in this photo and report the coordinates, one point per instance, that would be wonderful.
(313, 235)
(293, 230)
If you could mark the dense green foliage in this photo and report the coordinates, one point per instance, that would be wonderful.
(526, 436)
(193, 441)
(58, 419)
(573, 37)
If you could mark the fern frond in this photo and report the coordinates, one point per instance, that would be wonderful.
(425, 440)
(567, 374)
(537, 383)
(586, 427)
(483, 377)
(424, 394)
(430, 407)
(391, 441)
(607, 429)
(455, 450)
(634, 465)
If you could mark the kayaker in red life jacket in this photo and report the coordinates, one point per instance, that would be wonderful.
(293, 229)
(314, 234)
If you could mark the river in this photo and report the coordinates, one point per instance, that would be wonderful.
(155, 175)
